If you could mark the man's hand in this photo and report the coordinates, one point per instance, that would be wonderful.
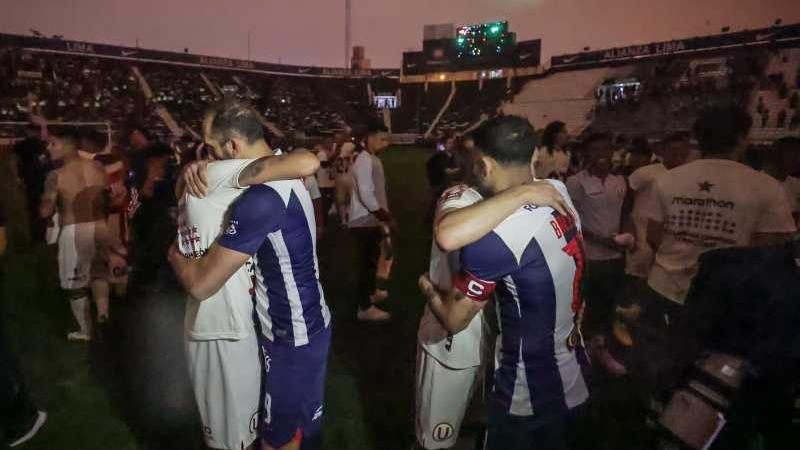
(426, 286)
(195, 178)
(543, 193)
(176, 258)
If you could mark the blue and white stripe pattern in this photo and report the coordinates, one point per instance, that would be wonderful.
(538, 373)
(275, 223)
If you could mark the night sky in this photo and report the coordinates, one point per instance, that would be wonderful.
(311, 32)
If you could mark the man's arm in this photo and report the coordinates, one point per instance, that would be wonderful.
(48, 206)
(459, 227)
(452, 309)
(254, 215)
(362, 175)
(298, 164)
(204, 277)
(482, 263)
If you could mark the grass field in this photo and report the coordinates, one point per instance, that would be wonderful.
(133, 393)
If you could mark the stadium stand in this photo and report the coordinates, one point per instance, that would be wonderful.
(169, 98)
(565, 96)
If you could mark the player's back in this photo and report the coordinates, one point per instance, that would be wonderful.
(708, 204)
(275, 221)
(81, 192)
(536, 257)
(227, 313)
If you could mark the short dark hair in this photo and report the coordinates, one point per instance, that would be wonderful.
(507, 139)
(596, 137)
(67, 134)
(232, 118)
(719, 128)
(550, 132)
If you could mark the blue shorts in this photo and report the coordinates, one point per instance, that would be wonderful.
(294, 391)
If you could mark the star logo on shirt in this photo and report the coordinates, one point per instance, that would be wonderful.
(705, 186)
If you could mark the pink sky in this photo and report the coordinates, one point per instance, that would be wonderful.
(311, 32)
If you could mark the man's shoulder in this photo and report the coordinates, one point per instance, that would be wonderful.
(260, 199)
(225, 172)
(458, 196)
(284, 189)
(518, 229)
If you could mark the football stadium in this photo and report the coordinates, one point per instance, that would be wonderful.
(489, 244)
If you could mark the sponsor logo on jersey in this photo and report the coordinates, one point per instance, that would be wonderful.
(231, 230)
(705, 186)
(708, 202)
(207, 431)
(442, 432)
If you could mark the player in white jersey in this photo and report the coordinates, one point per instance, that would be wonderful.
(221, 339)
(534, 258)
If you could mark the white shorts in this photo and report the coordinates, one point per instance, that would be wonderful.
(443, 395)
(226, 377)
(79, 257)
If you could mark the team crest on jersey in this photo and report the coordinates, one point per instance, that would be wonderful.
(231, 230)
(453, 193)
(442, 432)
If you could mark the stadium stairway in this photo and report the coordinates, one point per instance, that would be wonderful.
(565, 96)
(442, 110)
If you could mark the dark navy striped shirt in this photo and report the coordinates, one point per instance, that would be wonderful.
(274, 222)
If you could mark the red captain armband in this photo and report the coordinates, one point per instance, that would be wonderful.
(473, 287)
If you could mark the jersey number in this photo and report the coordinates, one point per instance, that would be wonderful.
(564, 226)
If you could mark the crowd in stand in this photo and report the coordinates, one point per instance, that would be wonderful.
(83, 89)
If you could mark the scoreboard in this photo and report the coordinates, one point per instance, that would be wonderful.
(484, 42)
(482, 46)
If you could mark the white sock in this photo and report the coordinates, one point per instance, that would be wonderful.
(80, 309)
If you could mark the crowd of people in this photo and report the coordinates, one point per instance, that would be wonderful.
(589, 252)
(651, 217)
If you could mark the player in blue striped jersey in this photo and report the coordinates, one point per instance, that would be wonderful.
(274, 224)
(533, 260)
